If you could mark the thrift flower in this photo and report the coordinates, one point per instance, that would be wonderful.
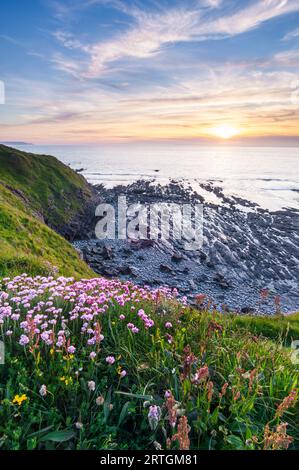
(24, 340)
(123, 373)
(110, 360)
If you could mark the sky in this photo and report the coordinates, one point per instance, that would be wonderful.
(87, 71)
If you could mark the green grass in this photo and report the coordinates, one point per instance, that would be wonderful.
(27, 244)
(46, 185)
(230, 351)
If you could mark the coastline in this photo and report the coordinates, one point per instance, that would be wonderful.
(245, 249)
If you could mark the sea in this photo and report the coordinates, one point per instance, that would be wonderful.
(267, 176)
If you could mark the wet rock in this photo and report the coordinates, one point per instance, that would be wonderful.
(248, 310)
(177, 257)
(107, 253)
(164, 268)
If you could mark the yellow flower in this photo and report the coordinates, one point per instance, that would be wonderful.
(52, 351)
(18, 399)
(66, 380)
(69, 357)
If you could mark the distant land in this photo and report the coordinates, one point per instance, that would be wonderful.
(16, 143)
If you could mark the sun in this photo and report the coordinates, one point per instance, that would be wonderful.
(225, 131)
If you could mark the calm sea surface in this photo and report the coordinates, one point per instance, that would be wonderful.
(267, 176)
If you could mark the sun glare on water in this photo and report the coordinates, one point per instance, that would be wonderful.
(225, 131)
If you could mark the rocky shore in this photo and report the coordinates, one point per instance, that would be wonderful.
(245, 249)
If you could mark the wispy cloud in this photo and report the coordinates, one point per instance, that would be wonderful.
(151, 33)
(292, 35)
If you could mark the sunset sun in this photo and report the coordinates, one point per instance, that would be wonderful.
(225, 131)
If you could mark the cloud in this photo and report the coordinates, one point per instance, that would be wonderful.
(292, 34)
(150, 33)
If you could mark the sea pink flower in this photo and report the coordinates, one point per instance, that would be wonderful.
(168, 325)
(110, 360)
(93, 355)
(24, 340)
(71, 349)
(123, 373)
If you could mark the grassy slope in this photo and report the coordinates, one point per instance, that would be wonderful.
(51, 188)
(27, 184)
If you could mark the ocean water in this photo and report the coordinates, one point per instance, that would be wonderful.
(264, 175)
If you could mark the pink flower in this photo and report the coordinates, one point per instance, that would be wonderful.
(167, 394)
(123, 373)
(93, 355)
(168, 325)
(122, 317)
(110, 360)
(71, 349)
(24, 340)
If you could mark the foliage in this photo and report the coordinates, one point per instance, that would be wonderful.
(99, 364)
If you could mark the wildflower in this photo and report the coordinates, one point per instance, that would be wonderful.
(100, 401)
(169, 338)
(122, 317)
(154, 416)
(93, 355)
(171, 409)
(19, 399)
(287, 403)
(43, 391)
(24, 340)
(79, 425)
(182, 435)
(135, 330)
(200, 375)
(278, 439)
(71, 349)
(123, 373)
(167, 394)
(223, 390)
(111, 406)
(210, 388)
(189, 359)
(168, 325)
(91, 385)
(110, 360)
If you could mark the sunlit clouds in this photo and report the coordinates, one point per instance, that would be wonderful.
(110, 70)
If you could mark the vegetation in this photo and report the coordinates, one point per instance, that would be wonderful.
(27, 192)
(46, 186)
(98, 364)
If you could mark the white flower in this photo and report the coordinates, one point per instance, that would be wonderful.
(91, 385)
(43, 391)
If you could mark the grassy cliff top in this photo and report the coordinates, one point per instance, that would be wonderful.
(46, 186)
(33, 188)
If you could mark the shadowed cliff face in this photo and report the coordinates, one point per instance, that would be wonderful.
(245, 249)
